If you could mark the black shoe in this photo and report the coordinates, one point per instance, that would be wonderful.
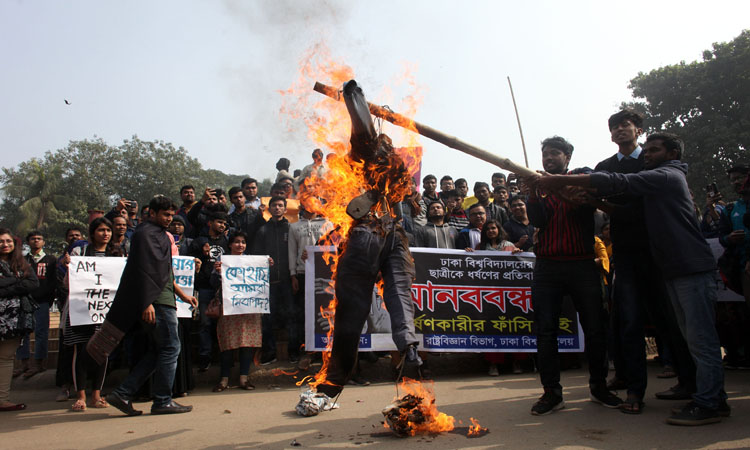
(676, 392)
(267, 359)
(724, 410)
(126, 406)
(547, 404)
(694, 414)
(411, 357)
(171, 408)
(605, 398)
(616, 384)
(358, 381)
(204, 364)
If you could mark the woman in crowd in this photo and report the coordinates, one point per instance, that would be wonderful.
(494, 238)
(16, 280)
(242, 332)
(101, 244)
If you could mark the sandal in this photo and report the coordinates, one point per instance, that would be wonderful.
(99, 404)
(220, 388)
(78, 406)
(632, 405)
(248, 386)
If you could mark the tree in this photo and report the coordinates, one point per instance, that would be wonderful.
(706, 103)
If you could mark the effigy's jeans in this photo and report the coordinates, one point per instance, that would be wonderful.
(369, 252)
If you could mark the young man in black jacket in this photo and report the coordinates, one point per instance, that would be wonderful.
(272, 239)
(44, 266)
(638, 289)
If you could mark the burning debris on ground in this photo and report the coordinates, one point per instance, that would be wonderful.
(416, 411)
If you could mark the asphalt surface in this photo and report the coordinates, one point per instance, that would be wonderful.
(265, 418)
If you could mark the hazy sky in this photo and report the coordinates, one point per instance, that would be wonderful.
(206, 75)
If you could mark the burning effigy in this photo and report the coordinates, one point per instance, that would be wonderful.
(416, 411)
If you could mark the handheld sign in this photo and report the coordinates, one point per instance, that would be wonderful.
(183, 268)
(93, 285)
(244, 283)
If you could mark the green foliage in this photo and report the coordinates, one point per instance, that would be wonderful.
(56, 191)
(706, 103)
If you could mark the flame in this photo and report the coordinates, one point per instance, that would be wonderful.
(329, 127)
(431, 420)
(277, 372)
(475, 429)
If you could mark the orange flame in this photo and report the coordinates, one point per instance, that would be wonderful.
(277, 372)
(475, 429)
(434, 420)
(329, 128)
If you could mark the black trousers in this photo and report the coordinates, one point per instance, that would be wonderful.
(369, 252)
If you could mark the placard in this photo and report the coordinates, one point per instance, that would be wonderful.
(93, 285)
(244, 283)
(183, 268)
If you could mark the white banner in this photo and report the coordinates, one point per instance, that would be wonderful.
(183, 268)
(93, 284)
(244, 283)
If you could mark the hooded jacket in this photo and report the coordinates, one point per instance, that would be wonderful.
(435, 236)
(677, 244)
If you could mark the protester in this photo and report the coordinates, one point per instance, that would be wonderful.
(498, 179)
(250, 190)
(273, 239)
(147, 292)
(500, 198)
(17, 283)
(44, 266)
(429, 184)
(446, 185)
(244, 218)
(100, 233)
(303, 233)
(469, 237)
(177, 229)
(686, 261)
(493, 211)
(315, 168)
(240, 332)
(119, 234)
(462, 187)
(455, 215)
(411, 209)
(436, 233)
(187, 194)
(282, 165)
(518, 228)
(565, 265)
(198, 216)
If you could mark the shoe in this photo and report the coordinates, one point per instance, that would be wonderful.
(694, 414)
(605, 398)
(204, 365)
(36, 367)
(248, 386)
(357, 380)
(676, 392)
(267, 359)
(724, 410)
(493, 372)
(219, 388)
(126, 406)
(616, 384)
(668, 372)
(171, 408)
(16, 407)
(411, 357)
(547, 404)
(517, 370)
(63, 396)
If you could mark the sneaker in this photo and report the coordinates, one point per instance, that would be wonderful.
(605, 398)
(267, 359)
(547, 404)
(694, 414)
(676, 392)
(493, 372)
(724, 410)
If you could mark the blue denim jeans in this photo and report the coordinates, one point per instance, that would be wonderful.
(41, 335)
(694, 299)
(160, 361)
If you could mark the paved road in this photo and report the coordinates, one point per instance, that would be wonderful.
(264, 418)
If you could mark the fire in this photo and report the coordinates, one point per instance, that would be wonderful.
(329, 128)
(277, 372)
(475, 429)
(416, 412)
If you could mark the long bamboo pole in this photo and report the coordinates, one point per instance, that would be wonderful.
(518, 119)
(435, 135)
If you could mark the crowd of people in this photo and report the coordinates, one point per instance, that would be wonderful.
(624, 241)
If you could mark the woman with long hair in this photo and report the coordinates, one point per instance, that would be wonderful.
(493, 237)
(242, 332)
(101, 245)
(16, 280)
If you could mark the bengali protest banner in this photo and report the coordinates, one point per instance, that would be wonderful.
(463, 302)
(183, 268)
(93, 285)
(244, 283)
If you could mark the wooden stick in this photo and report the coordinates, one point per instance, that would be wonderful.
(518, 119)
(435, 135)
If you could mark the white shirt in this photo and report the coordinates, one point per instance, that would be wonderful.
(635, 154)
